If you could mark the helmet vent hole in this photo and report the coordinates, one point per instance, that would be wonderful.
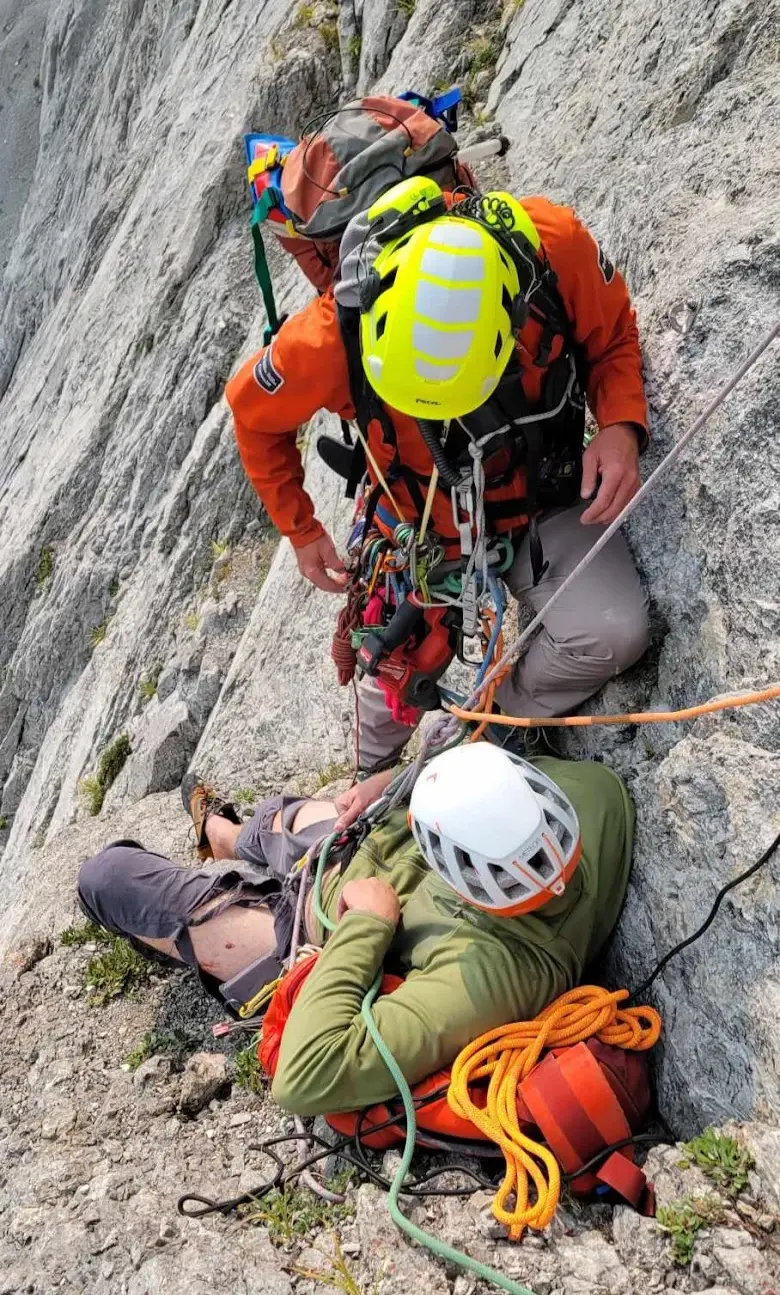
(498, 345)
(541, 864)
(510, 885)
(381, 324)
(389, 279)
(435, 847)
(505, 259)
(474, 886)
(506, 301)
(560, 831)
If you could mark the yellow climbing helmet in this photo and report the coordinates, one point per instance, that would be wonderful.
(436, 333)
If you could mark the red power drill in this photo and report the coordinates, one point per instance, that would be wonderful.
(411, 653)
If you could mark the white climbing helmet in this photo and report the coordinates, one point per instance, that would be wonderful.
(495, 828)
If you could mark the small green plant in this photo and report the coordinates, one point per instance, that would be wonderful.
(724, 1160)
(276, 48)
(293, 1214)
(141, 1052)
(117, 970)
(177, 1044)
(98, 632)
(148, 685)
(45, 565)
(338, 1275)
(219, 548)
(514, 6)
(92, 793)
(3, 822)
(481, 115)
(249, 1072)
(304, 14)
(483, 52)
(354, 49)
(191, 621)
(406, 7)
(113, 760)
(245, 796)
(329, 33)
(93, 788)
(81, 933)
(684, 1219)
(331, 773)
(113, 588)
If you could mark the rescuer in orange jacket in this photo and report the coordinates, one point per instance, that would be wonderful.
(602, 627)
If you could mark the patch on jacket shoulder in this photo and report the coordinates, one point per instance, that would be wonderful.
(267, 376)
(605, 265)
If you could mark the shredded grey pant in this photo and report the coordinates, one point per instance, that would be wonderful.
(598, 629)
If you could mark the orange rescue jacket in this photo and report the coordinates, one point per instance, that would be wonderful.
(305, 370)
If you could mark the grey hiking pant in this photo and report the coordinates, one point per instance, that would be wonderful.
(598, 629)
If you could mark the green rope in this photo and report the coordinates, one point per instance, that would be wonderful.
(423, 1238)
(263, 276)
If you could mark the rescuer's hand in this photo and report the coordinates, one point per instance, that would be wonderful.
(317, 559)
(355, 799)
(613, 455)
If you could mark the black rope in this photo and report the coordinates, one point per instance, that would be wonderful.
(636, 1139)
(349, 1148)
(642, 989)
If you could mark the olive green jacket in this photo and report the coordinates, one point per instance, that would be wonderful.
(465, 971)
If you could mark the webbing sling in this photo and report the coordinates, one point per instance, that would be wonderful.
(263, 276)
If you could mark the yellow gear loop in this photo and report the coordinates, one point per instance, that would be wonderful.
(506, 1056)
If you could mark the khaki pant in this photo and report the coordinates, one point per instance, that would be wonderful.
(597, 630)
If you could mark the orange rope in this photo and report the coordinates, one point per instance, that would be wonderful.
(488, 618)
(506, 1056)
(634, 717)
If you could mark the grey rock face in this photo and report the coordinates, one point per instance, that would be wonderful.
(126, 302)
(205, 1077)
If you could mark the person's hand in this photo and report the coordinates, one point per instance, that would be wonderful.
(355, 799)
(369, 895)
(613, 455)
(315, 560)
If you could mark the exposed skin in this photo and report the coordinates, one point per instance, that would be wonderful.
(228, 943)
(613, 455)
(320, 563)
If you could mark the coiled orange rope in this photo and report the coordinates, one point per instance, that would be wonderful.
(506, 1056)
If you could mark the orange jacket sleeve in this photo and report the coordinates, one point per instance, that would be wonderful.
(597, 302)
(302, 371)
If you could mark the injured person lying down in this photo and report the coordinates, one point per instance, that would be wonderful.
(489, 899)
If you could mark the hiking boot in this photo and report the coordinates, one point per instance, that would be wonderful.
(199, 801)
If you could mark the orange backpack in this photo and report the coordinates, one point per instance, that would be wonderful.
(578, 1099)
